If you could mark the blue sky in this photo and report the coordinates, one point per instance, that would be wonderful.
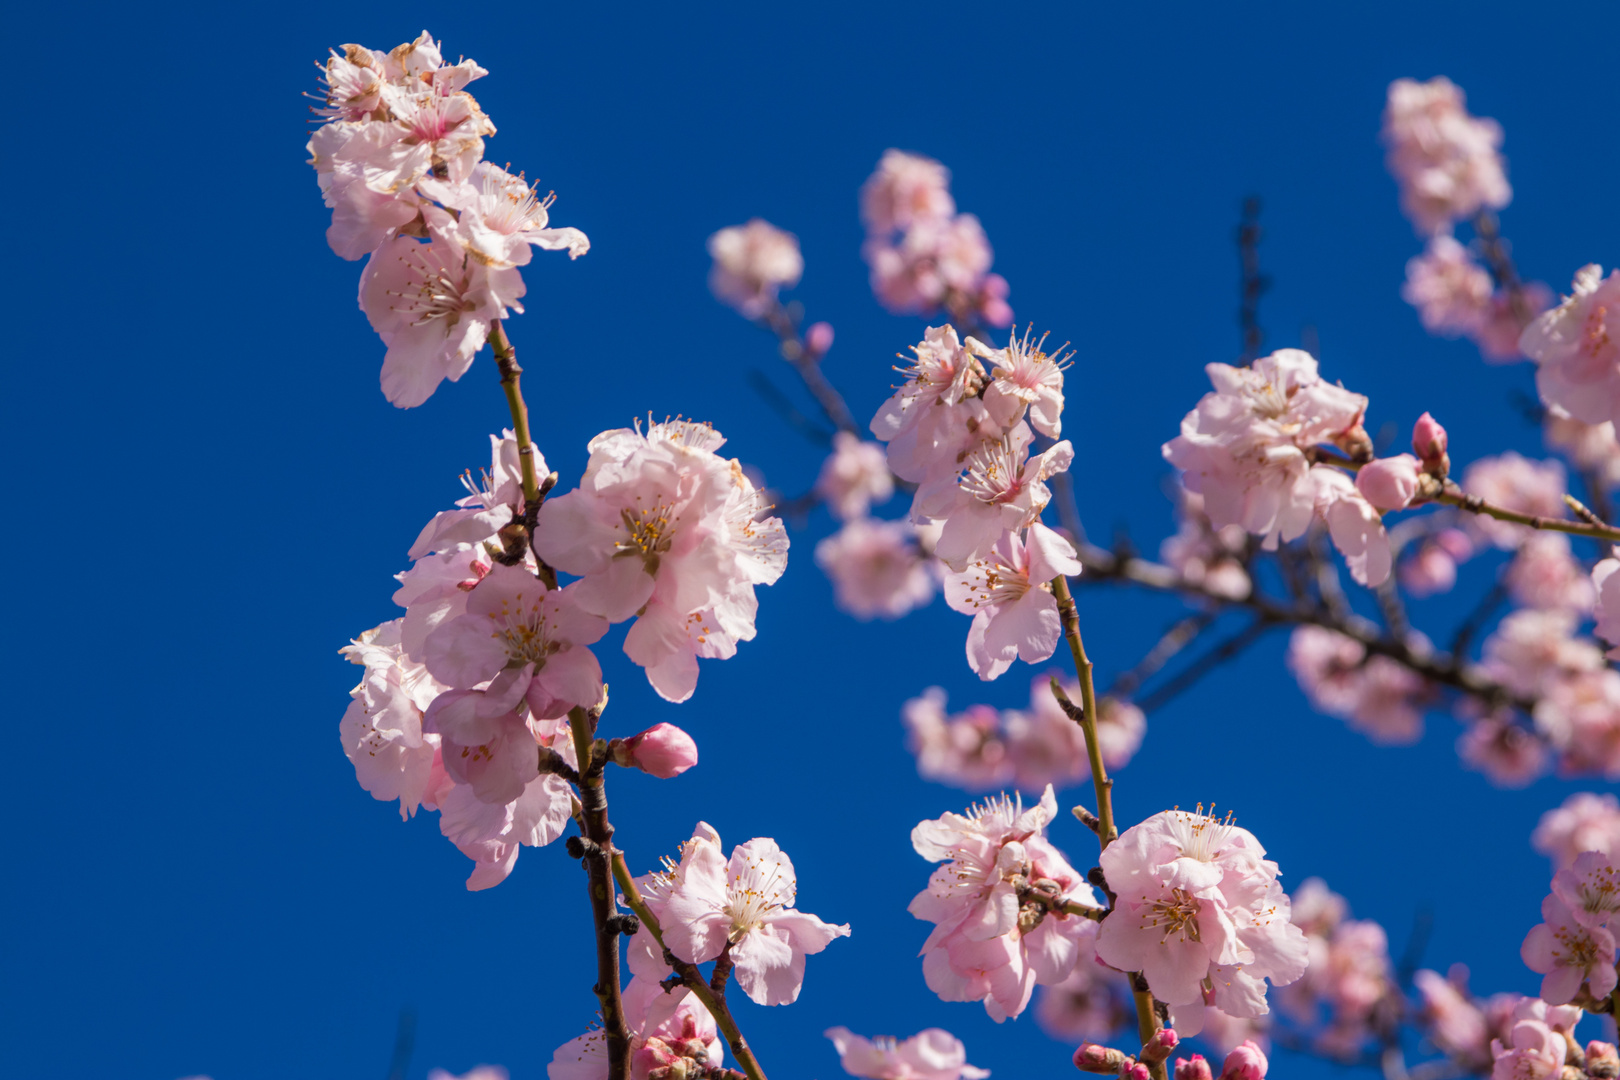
(196, 884)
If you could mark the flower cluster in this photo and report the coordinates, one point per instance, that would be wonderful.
(933, 1054)
(998, 905)
(1200, 914)
(983, 748)
(1574, 946)
(400, 163)
(1585, 822)
(1378, 696)
(752, 263)
(1537, 1042)
(878, 568)
(1576, 347)
(925, 256)
(1456, 297)
(1348, 979)
(672, 1036)
(1447, 162)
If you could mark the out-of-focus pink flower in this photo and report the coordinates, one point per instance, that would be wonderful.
(1454, 1023)
(877, 569)
(933, 1054)
(1533, 1051)
(1569, 953)
(382, 729)
(1429, 440)
(1590, 888)
(1544, 574)
(1515, 482)
(996, 905)
(1432, 569)
(1024, 377)
(1348, 975)
(1199, 903)
(1585, 822)
(905, 189)
(1446, 162)
(1450, 290)
(1244, 1063)
(1592, 447)
(1380, 697)
(1576, 347)
(1008, 594)
(1354, 524)
(1580, 716)
(1503, 750)
(746, 905)
(663, 750)
(1531, 652)
(1499, 335)
(854, 476)
(1243, 447)
(1093, 1002)
(818, 339)
(1607, 606)
(966, 750)
(752, 263)
(1390, 483)
(1204, 555)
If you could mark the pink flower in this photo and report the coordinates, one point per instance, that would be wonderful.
(1569, 952)
(928, 1055)
(1544, 574)
(996, 905)
(1446, 161)
(1429, 439)
(1243, 447)
(752, 263)
(967, 750)
(664, 529)
(1517, 483)
(1244, 1063)
(1390, 483)
(493, 500)
(906, 188)
(854, 476)
(1498, 337)
(491, 834)
(935, 416)
(1045, 747)
(1380, 697)
(671, 1034)
(1590, 888)
(1585, 822)
(1008, 594)
(1204, 555)
(501, 218)
(663, 750)
(645, 956)
(1355, 525)
(1576, 349)
(1002, 489)
(1025, 377)
(1093, 1002)
(1580, 715)
(876, 568)
(746, 907)
(1450, 290)
(1534, 1051)
(1531, 652)
(1511, 756)
(1193, 1068)
(1433, 569)
(1198, 902)
(1592, 447)
(1455, 1024)
(382, 728)
(433, 307)
(1607, 612)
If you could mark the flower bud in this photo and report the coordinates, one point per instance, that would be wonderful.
(818, 338)
(1389, 483)
(1158, 1048)
(1429, 444)
(1094, 1058)
(1195, 1069)
(1602, 1061)
(1244, 1063)
(663, 750)
(1137, 1071)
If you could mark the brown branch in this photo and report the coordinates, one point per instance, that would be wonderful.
(808, 365)
(1455, 496)
(595, 853)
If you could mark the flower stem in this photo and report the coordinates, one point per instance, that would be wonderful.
(1454, 496)
(534, 486)
(594, 823)
(1147, 1013)
(714, 1002)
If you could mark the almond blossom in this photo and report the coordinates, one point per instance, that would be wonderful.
(854, 477)
(1200, 914)
(752, 263)
(745, 907)
(492, 835)
(1514, 482)
(905, 188)
(1575, 348)
(1001, 490)
(1349, 973)
(1244, 447)
(1533, 1050)
(966, 750)
(382, 730)
(997, 905)
(501, 219)
(670, 1031)
(877, 568)
(1379, 696)
(1585, 822)
(1015, 616)
(1545, 574)
(932, 1054)
(1590, 888)
(935, 417)
(1503, 750)
(1354, 524)
(1569, 952)
(1023, 376)
(1591, 447)
(1447, 161)
(1205, 556)
(1455, 1024)
(1579, 714)
(1450, 290)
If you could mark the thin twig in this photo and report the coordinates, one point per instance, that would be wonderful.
(1454, 496)
(1185, 679)
(1178, 637)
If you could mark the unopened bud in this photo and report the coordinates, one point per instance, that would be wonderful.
(1356, 443)
(1244, 1063)
(1602, 1060)
(663, 750)
(1389, 483)
(1158, 1048)
(1138, 1071)
(1094, 1058)
(1195, 1068)
(1429, 444)
(818, 338)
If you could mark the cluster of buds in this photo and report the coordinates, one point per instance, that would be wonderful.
(1245, 1062)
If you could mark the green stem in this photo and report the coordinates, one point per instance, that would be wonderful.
(1454, 496)
(511, 382)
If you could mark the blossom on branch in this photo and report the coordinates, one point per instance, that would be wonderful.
(752, 263)
(1576, 347)
(671, 1034)
(1008, 593)
(854, 476)
(933, 1054)
(877, 568)
(1585, 822)
(1446, 161)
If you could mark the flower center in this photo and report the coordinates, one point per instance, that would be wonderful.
(1178, 916)
(437, 291)
(994, 473)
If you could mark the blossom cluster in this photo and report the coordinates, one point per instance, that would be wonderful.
(1446, 161)
(1574, 948)
(443, 232)
(924, 256)
(983, 748)
(1347, 993)
(671, 1035)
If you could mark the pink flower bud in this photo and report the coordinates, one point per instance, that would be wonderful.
(818, 339)
(1244, 1063)
(1138, 1071)
(1389, 483)
(1195, 1069)
(1158, 1048)
(1428, 438)
(1602, 1061)
(663, 750)
(1094, 1058)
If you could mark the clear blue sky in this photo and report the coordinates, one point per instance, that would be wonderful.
(194, 882)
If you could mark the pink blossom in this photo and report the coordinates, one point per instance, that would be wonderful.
(1576, 346)
(1432, 569)
(1001, 489)
(1498, 337)
(1569, 952)
(1380, 697)
(1093, 1002)
(1455, 1023)
(934, 418)
(1244, 1063)
(1198, 903)
(746, 907)
(943, 262)
(1193, 1068)
(663, 750)
(1045, 747)
(1203, 555)
(644, 956)
(382, 728)
(967, 750)
(1534, 1051)
(752, 263)
(1580, 715)
(1008, 594)
(1429, 439)
(1450, 290)
(1544, 574)
(818, 339)
(670, 1033)
(876, 568)
(1348, 975)
(1585, 822)
(664, 529)
(1607, 601)
(493, 500)
(906, 188)
(1503, 750)
(928, 1055)
(1446, 161)
(1355, 525)
(501, 219)
(996, 905)
(1531, 651)
(1025, 377)
(1390, 483)
(1590, 888)
(491, 834)
(433, 307)
(854, 476)
(1243, 447)
(1592, 447)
